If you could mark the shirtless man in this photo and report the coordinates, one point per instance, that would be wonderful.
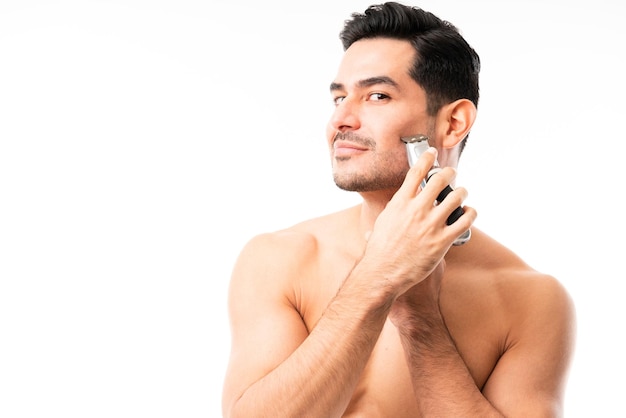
(372, 311)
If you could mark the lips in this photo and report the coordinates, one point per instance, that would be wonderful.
(341, 144)
(347, 149)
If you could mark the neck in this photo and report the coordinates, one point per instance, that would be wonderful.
(373, 204)
(448, 157)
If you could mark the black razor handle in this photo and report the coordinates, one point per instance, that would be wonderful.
(458, 212)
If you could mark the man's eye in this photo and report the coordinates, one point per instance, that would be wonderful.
(337, 100)
(378, 97)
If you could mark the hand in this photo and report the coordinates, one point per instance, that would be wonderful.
(410, 236)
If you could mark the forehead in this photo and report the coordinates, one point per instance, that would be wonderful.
(377, 57)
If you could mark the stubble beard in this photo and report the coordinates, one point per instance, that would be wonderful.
(383, 173)
(368, 182)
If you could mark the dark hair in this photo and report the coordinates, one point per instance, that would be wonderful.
(446, 66)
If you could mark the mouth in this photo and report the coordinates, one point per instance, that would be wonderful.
(342, 144)
(345, 149)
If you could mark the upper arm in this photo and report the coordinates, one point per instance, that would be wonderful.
(530, 377)
(265, 324)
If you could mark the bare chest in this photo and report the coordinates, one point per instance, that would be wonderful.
(384, 388)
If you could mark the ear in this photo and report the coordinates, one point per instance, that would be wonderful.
(454, 122)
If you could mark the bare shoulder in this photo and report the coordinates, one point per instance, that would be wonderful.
(286, 255)
(517, 285)
(491, 288)
(274, 255)
(266, 248)
(494, 280)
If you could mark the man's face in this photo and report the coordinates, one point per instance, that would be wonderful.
(376, 103)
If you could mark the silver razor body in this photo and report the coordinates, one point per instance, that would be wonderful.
(416, 145)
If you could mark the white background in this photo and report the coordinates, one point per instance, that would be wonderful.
(142, 143)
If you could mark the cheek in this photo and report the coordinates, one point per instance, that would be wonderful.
(395, 156)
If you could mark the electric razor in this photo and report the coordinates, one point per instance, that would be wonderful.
(416, 145)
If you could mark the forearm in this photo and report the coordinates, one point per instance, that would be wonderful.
(442, 383)
(319, 377)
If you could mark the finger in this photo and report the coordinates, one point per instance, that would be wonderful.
(462, 224)
(438, 182)
(465, 224)
(453, 200)
(412, 182)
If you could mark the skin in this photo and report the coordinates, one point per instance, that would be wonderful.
(370, 311)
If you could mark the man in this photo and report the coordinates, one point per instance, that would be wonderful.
(372, 311)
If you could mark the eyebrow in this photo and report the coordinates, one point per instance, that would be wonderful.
(367, 82)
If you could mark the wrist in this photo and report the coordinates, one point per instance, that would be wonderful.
(371, 286)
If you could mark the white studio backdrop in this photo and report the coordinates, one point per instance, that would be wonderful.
(142, 143)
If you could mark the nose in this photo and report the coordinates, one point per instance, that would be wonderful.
(345, 117)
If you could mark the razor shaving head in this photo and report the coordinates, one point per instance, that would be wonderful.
(414, 138)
